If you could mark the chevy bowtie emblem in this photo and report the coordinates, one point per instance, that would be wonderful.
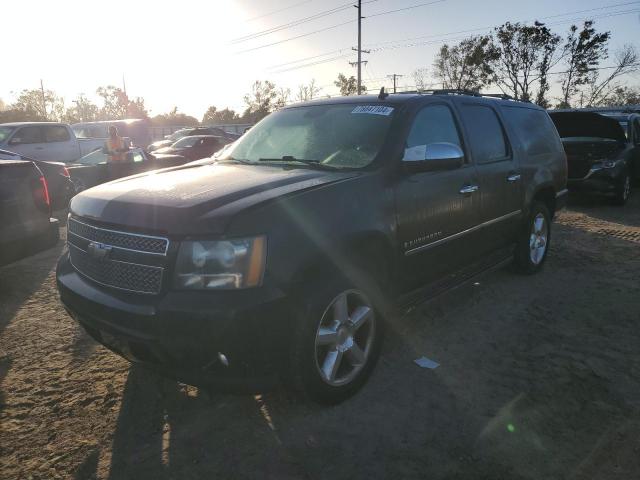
(98, 250)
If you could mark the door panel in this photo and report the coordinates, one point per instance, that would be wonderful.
(498, 173)
(434, 218)
(28, 141)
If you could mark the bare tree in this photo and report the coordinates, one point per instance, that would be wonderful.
(584, 50)
(420, 76)
(600, 89)
(307, 92)
(525, 55)
(467, 65)
(623, 95)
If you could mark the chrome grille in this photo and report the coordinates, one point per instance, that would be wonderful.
(129, 241)
(113, 273)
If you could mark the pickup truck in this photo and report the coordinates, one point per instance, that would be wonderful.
(288, 253)
(25, 211)
(46, 141)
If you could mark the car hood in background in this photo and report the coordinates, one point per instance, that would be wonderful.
(194, 200)
(587, 124)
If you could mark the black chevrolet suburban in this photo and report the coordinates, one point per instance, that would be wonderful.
(286, 254)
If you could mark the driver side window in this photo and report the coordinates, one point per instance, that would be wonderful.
(433, 124)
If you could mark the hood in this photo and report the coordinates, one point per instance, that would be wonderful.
(167, 150)
(587, 124)
(195, 199)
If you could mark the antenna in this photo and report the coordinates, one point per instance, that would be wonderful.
(382, 95)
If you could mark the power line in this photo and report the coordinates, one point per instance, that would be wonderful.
(405, 8)
(453, 33)
(389, 45)
(294, 23)
(295, 38)
(576, 12)
(273, 12)
(326, 28)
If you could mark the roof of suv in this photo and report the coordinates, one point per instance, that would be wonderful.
(403, 98)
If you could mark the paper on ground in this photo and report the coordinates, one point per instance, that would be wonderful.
(424, 362)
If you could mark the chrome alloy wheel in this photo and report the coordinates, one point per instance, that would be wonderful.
(345, 337)
(538, 239)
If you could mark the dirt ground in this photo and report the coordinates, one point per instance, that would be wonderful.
(539, 377)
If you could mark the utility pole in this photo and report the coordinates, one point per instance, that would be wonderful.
(394, 76)
(44, 102)
(359, 49)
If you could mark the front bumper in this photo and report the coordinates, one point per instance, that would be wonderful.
(181, 334)
(603, 181)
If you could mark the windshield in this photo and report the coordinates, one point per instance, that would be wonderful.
(93, 158)
(5, 132)
(342, 136)
(186, 142)
(177, 135)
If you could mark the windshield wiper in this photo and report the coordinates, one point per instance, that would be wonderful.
(311, 163)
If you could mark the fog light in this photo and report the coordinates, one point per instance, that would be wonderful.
(223, 359)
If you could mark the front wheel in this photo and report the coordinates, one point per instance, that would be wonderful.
(337, 341)
(623, 190)
(534, 239)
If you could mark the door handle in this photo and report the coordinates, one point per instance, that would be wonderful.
(514, 177)
(467, 189)
(39, 148)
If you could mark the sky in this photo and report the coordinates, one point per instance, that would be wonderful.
(191, 54)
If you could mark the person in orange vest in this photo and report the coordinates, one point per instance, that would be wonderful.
(116, 149)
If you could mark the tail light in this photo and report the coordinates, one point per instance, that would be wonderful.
(65, 172)
(41, 195)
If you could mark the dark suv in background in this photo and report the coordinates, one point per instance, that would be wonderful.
(603, 150)
(287, 253)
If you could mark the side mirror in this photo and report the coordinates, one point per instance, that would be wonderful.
(433, 157)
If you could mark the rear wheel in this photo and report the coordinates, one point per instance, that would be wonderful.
(337, 341)
(623, 190)
(533, 243)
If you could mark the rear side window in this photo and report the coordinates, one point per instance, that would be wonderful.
(25, 135)
(486, 135)
(534, 128)
(433, 124)
(56, 133)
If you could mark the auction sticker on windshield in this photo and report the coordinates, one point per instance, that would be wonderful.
(373, 110)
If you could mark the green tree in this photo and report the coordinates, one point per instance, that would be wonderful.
(83, 110)
(117, 105)
(348, 86)
(263, 99)
(584, 50)
(174, 118)
(216, 117)
(524, 55)
(623, 95)
(32, 107)
(467, 65)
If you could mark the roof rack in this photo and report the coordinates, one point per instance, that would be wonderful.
(456, 91)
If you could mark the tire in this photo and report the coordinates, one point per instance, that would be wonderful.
(623, 189)
(534, 240)
(336, 326)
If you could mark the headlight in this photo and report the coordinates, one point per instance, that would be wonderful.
(605, 164)
(222, 264)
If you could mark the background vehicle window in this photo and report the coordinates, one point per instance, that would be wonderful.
(25, 135)
(535, 130)
(56, 133)
(486, 135)
(637, 132)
